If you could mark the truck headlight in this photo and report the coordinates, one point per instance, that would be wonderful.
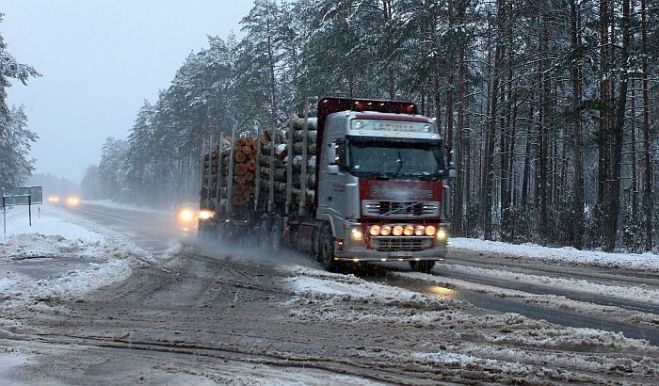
(409, 230)
(398, 230)
(356, 234)
(431, 230)
(385, 230)
(442, 234)
(374, 230)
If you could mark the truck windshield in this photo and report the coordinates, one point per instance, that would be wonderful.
(390, 159)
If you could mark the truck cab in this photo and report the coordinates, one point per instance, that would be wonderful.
(381, 185)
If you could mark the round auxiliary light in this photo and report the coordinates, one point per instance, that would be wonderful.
(409, 230)
(431, 230)
(398, 230)
(356, 234)
(374, 230)
(385, 230)
(420, 230)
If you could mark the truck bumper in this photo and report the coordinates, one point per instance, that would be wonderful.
(360, 253)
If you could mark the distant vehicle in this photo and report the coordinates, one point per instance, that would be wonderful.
(186, 216)
(53, 199)
(364, 181)
(73, 201)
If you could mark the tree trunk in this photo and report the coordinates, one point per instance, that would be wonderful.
(578, 194)
(617, 134)
(647, 178)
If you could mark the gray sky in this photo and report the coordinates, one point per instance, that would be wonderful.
(99, 60)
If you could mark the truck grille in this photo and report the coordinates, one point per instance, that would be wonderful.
(401, 209)
(401, 244)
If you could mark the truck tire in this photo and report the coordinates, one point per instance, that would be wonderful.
(424, 266)
(326, 249)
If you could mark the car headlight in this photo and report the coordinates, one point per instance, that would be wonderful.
(356, 234)
(206, 215)
(185, 215)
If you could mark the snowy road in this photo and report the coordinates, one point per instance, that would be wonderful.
(231, 315)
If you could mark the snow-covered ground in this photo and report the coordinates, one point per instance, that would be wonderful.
(645, 261)
(507, 342)
(58, 257)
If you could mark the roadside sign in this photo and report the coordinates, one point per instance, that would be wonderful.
(27, 195)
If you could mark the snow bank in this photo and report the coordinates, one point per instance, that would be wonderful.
(46, 223)
(646, 261)
(56, 258)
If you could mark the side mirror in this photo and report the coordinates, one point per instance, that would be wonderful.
(452, 173)
(333, 169)
(331, 154)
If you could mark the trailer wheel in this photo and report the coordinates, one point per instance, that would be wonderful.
(326, 250)
(422, 266)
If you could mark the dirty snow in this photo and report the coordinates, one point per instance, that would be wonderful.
(56, 258)
(645, 261)
(635, 293)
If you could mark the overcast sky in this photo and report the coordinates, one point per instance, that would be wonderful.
(99, 60)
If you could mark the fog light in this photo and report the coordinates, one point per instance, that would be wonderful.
(431, 230)
(442, 234)
(420, 230)
(374, 230)
(356, 234)
(398, 230)
(409, 230)
(385, 230)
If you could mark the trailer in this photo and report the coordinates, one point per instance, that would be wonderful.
(363, 180)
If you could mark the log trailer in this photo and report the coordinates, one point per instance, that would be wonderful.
(362, 181)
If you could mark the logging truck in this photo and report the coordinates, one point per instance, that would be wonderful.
(363, 180)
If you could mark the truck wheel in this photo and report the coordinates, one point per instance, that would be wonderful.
(422, 266)
(326, 250)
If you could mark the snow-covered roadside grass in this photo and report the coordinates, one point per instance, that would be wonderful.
(645, 261)
(58, 257)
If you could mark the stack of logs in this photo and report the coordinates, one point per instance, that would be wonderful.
(244, 176)
(280, 143)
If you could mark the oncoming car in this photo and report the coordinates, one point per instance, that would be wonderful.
(188, 216)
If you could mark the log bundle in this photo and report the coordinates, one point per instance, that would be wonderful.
(268, 171)
(301, 177)
(244, 167)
